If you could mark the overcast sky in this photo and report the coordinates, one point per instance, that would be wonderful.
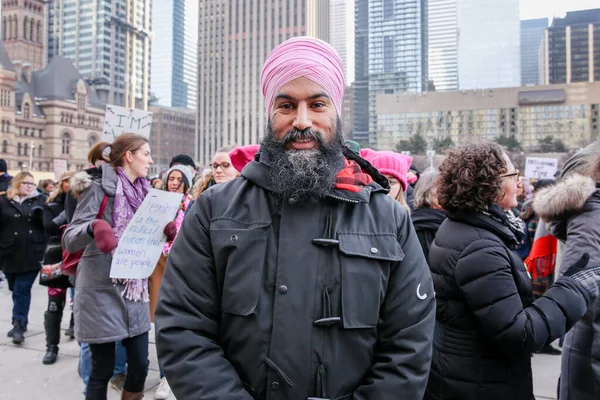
(530, 9)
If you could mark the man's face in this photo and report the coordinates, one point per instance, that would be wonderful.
(303, 105)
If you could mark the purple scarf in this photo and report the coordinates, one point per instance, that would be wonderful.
(128, 198)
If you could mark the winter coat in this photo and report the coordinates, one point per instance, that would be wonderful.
(266, 298)
(487, 323)
(572, 207)
(54, 218)
(427, 222)
(102, 314)
(22, 240)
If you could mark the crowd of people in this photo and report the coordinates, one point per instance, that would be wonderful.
(308, 267)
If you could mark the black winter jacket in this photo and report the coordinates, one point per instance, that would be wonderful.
(265, 298)
(487, 323)
(54, 218)
(22, 240)
(427, 221)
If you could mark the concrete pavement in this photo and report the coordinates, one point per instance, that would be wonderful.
(23, 376)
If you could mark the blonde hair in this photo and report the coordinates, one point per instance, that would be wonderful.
(65, 176)
(400, 198)
(16, 182)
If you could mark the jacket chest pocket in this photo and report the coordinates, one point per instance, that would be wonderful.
(239, 260)
(365, 267)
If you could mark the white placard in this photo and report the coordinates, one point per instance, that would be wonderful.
(541, 168)
(119, 120)
(142, 242)
(60, 166)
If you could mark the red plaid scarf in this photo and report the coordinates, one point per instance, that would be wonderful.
(351, 177)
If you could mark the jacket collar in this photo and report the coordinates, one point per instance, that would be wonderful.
(486, 222)
(257, 171)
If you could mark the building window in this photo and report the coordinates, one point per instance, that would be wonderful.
(26, 149)
(40, 151)
(81, 101)
(26, 110)
(4, 146)
(92, 140)
(19, 149)
(66, 142)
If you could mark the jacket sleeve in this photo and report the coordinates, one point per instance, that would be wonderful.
(76, 236)
(188, 313)
(50, 227)
(484, 275)
(405, 333)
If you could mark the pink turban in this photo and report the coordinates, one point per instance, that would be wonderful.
(303, 57)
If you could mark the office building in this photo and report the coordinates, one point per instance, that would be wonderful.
(234, 39)
(532, 33)
(342, 22)
(570, 50)
(348, 113)
(109, 43)
(564, 112)
(489, 44)
(173, 132)
(390, 56)
(23, 32)
(442, 21)
(174, 56)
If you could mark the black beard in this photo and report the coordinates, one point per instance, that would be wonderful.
(307, 176)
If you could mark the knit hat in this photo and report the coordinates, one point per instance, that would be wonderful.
(183, 159)
(394, 164)
(186, 172)
(241, 156)
(3, 167)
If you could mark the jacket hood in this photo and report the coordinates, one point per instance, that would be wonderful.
(105, 176)
(564, 198)
(257, 171)
(428, 218)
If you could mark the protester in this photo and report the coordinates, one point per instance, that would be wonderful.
(394, 167)
(428, 214)
(22, 244)
(524, 194)
(530, 219)
(488, 323)
(124, 314)
(413, 176)
(572, 207)
(157, 183)
(54, 218)
(48, 186)
(5, 178)
(222, 168)
(179, 178)
(290, 280)
(183, 159)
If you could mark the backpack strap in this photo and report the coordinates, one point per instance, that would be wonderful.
(102, 207)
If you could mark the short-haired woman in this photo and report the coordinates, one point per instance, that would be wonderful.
(22, 244)
(428, 214)
(108, 310)
(488, 324)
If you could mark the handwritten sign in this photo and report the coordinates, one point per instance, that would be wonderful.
(142, 242)
(119, 120)
(541, 168)
(60, 166)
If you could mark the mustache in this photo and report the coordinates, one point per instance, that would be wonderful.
(297, 134)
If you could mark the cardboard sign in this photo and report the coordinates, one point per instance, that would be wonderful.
(541, 168)
(120, 120)
(60, 166)
(142, 242)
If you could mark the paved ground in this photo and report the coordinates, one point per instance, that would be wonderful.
(23, 376)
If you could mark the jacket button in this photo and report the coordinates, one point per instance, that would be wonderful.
(16, 234)
(275, 386)
(283, 289)
(374, 250)
(17, 215)
(234, 238)
(292, 201)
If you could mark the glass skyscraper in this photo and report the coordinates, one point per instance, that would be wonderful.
(390, 56)
(174, 53)
(532, 34)
(443, 44)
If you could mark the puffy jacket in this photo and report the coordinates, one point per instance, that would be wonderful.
(265, 298)
(22, 240)
(427, 221)
(487, 323)
(572, 207)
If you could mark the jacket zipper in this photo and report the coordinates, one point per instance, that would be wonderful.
(343, 199)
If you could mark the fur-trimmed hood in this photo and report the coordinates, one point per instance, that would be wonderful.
(105, 176)
(564, 198)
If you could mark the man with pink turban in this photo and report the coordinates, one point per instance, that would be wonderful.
(300, 279)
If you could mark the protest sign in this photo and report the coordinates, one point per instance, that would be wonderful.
(60, 166)
(541, 168)
(142, 242)
(119, 120)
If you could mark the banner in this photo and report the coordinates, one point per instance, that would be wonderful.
(142, 242)
(541, 168)
(60, 166)
(119, 120)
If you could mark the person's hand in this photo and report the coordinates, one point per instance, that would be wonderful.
(104, 235)
(37, 212)
(170, 231)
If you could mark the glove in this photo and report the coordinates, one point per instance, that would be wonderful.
(37, 212)
(104, 235)
(170, 231)
(588, 279)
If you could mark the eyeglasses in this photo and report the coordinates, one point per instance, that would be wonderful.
(223, 166)
(28, 183)
(514, 175)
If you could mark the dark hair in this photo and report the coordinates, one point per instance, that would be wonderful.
(183, 159)
(470, 177)
(118, 148)
(184, 182)
(47, 182)
(3, 166)
(95, 153)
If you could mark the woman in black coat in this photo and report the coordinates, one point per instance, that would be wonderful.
(22, 244)
(488, 324)
(428, 214)
(54, 218)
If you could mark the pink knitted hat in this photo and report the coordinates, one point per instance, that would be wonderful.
(241, 156)
(394, 164)
(303, 57)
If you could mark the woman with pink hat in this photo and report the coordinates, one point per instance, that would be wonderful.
(394, 166)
